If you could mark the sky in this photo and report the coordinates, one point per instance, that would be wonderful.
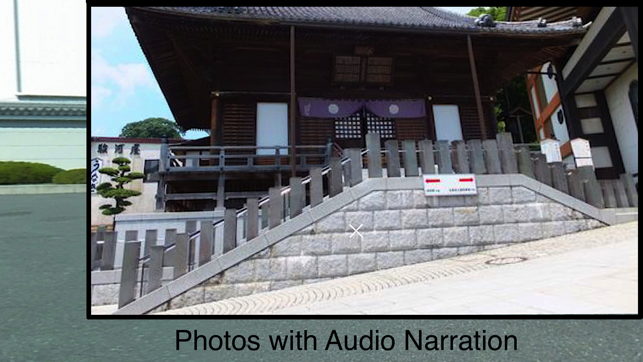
(123, 88)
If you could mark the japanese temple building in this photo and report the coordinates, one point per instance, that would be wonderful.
(592, 91)
(262, 79)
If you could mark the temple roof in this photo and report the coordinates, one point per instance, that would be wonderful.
(418, 18)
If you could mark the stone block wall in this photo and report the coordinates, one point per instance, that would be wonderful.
(399, 227)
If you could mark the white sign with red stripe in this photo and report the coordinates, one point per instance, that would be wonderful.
(449, 185)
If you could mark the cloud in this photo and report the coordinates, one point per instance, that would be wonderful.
(106, 20)
(121, 80)
(99, 94)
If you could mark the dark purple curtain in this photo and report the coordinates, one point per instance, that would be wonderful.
(328, 108)
(412, 108)
(334, 108)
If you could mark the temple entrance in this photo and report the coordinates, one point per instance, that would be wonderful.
(350, 132)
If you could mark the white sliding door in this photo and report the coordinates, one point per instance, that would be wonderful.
(272, 126)
(447, 122)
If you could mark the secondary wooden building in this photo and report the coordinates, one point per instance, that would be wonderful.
(264, 79)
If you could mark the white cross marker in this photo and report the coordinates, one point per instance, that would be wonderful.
(356, 230)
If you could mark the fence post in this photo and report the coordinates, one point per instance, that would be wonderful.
(608, 193)
(525, 165)
(316, 186)
(444, 158)
(93, 246)
(180, 255)
(335, 183)
(205, 242)
(575, 185)
(410, 159)
(155, 274)
(297, 196)
(275, 207)
(492, 159)
(355, 166)
(621, 194)
(392, 158)
(252, 224)
(630, 188)
(593, 193)
(129, 273)
(558, 177)
(109, 251)
(476, 157)
(150, 240)
(230, 229)
(459, 155)
(507, 154)
(542, 169)
(427, 162)
(374, 154)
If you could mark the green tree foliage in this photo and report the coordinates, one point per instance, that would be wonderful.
(152, 128)
(120, 176)
(497, 13)
(75, 176)
(18, 172)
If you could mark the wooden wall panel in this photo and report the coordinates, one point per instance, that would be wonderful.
(411, 129)
(239, 123)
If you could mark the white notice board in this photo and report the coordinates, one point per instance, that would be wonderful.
(450, 185)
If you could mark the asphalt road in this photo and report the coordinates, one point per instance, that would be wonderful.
(43, 311)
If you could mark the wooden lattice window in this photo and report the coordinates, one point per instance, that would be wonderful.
(348, 69)
(384, 126)
(349, 127)
(379, 70)
(359, 69)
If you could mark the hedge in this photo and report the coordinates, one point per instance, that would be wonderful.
(75, 176)
(16, 172)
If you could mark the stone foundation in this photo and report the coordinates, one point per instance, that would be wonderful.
(399, 227)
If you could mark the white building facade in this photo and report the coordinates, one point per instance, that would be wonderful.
(43, 72)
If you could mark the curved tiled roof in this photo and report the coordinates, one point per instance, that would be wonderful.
(45, 110)
(421, 18)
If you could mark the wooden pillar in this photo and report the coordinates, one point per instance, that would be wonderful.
(476, 88)
(215, 125)
(293, 104)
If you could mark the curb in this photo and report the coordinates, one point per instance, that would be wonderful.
(42, 189)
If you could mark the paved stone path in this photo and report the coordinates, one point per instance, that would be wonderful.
(560, 275)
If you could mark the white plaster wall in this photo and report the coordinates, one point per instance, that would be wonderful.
(140, 204)
(57, 143)
(8, 82)
(53, 48)
(551, 88)
(625, 128)
(560, 130)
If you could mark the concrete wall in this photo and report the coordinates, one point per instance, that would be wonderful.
(400, 227)
(58, 143)
(622, 115)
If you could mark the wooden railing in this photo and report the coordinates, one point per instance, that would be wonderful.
(195, 248)
(241, 158)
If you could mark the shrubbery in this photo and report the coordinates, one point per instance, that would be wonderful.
(74, 176)
(14, 173)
